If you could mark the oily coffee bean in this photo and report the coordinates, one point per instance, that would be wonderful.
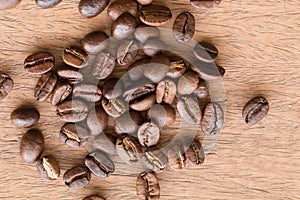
(136, 69)
(5, 5)
(123, 27)
(176, 157)
(74, 135)
(138, 90)
(77, 177)
(104, 142)
(25, 117)
(153, 46)
(87, 92)
(145, 2)
(188, 83)
(126, 52)
(128, 149)
(39, 63)
(208, 71)
(112, 88)
(177, 67)
(144, 103)
(103, 65)
(155, 15)
(94, 197)
(143, 32)
(97, 120)
(6, 85)
(184, 27)
(72, 75)
(255, 110)
(72, 111)
(202, 90)
(206, 52)
(148, 134)
(213, 119)
(75, 57)
(189, 109)
(92, 8)
(114, 107)
(166, 91)
(129, 122)
(205, 4)
(155, 160)
(159, 63)
(195, 153)
(48, 167)
(119, 7)
(32, 145)
(45, 86)
(147, 186)
(60, 93)
(99, 164)
(47, 3)
(163, 115)
(95, 42)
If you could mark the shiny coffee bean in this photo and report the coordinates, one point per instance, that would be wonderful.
(47, 3)
(143, 32)
(145, 2)
(99, 164)
(208, 71)
(166, 91)
(5, 5)
(112, 88)
(155, 160)
(159, 63)
(74, 135)
(119, 7)
(45, 86)
(136, 69)
(138, 90)
(177, 67)
(60, 93)
(128, 149)
(189, 109)
(147, 186)
(123, 27)
(48, 168)
(92, 8)
(188, 83)
(77, 177)
(87, 92)
(255, 110)
(205, 4)
(72, 111)
(95, 42)
(213, 119)
(72, 75)
(75, 57)
(39, 63)
(176, 157)
(163, 115)
(144, 103)
(114, 107)
(195, 153)
(126, 52)
(94, 197)
(206, 52)
(129, 122)
(25, 117)
(202, 90)
(6, 85)
(104, 142)
(184, 27)
(153, 46)
(103, 65)
(148, 134)
(155, 15)
(97, 120)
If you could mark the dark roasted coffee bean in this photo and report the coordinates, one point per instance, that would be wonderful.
(87, 92)
(189, 109)
(145, 2)
(176, 157)
(75, 57)
(45, 86)
(162, 115)
(5, 5)
(143, 32)
(103, 65)
(255, 110)
(126, 52)
(72, 75)
(188, 83)
(184, 27)
(123, 27)
(155, 15)
(195, 153)
(155, 160)
(94, 197)
(166, 91)
(112, 88)
(206, 52)
(60, 93)
(159, 63)
(202, 90)
(205, 4)
(72, 111)
(153, 46)
(136, 69)
(148, 134)
(147, 186)
(77, 177)
(114, 107)
(99, 164)
(48, 167)
(97, 120)
(47, 3)
(6, 85)
(213, 119)
(104, 142)
(95, 42)
(208, 71)
(32, 145)
(128, 149)
(74, 135)
(129, 122)
(177, 67)
(119, 7)
(39, 63)
(143, 104)
(92, 8)
(25, 117)
(138, 90)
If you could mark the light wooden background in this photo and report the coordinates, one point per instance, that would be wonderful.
(259, 47)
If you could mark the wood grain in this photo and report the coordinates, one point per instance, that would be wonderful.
(259, 47)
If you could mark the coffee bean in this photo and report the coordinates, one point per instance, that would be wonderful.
(184, 27)
(188, 83)
(163, 115)
(206, 52)
(123, 27)
(155, 15)
(177, 67)
(77, 177)
(155, 160)
(129, 122)
(128, 149)
(103, 65)
(39, 63)
(104, 142)
(74, 135)
(72, 75)
(159, 63)
(95, 42)
(166, 91)
(32, 145)
(48, 168)
(143, 104)
(147, 186)
(72, 111)
(208, 71)
(148, 134)
(136, 69)
(45, 86)
(112, 88)
(195, 153)
(97, 120)
(6, 85)
(99, 164)
(202, 90)
(60, 93)
(213, 119)
(47, 3)
(5, 5)
(119, 7)
(205, 4)
(75, 57)
(189, 109)
(126, 52)
(176, 157)
(255, 110)
(25, 117)
(145, 2)
(114, 107)
(153, 46)
(143, 32)
(94, 197)
(87, 92)
(138, 90)
(92, 8)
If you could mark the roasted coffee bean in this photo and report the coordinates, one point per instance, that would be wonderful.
(153, 46)
(255, 110)
(114, 107)
(45, 86)
(97, 120)
(205, 4)
(72, 111)
(70, 74)
(162, 115)
(202, 90)
(25, 117)
(129, 122)
(148, 134)
(159, 63)
(60, 93)
(119, 7)
(145, 2)
(143, 32)
(138, 90)
(123, 27)
(75, 57)
(39, 63)
(126, 52)
(176, 157)
(128, 149)
(47, 3)
(32, 145)
(213, 119)
(48, 168)
(94, 197)
(177, 67)
(147, 186)
(188, 83)
(104, 142)
(87, 92)
(155, 15)
(184, 27)
(143, 104)
(99, 164)
(195, 153)
(136, 69)
(155, 160)
(103, 65)
(112, 88)
(166, 91)
(5, 5)
(95, 42)
(92, 8)
(74, 135)
(6, 85)
(77, 177)
(206, 52)
(189, 109)
(208, 71)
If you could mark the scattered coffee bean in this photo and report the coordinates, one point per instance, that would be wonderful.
(39, 63)
(123, 27)
(184, 27)
(126, 52)
(153, 46)
(77, 177)
(176, 157)
(143, 104)
(205, 4)
(147, 186)
(103, 65)
(129, 122)
(104, 142)
(5, 5)
(166, 91)
(48, 168)
(72, 75)
(138, 90)
(208, 71)
(92, 8)
(47, 3)
(25, 117)
(72, 111)
(136, 69)
(195, 153)
(128, 149)
(189, 109)
(163, 115)
(112, 88)
(202, 90)
(45, 86)
(87, 92)
(95, 42)
(75, 57)
(155, 15)
(74, 135)
(145, 2)
(94, 197)
(148, 134)
(6, 85)
(155, 160)
(143, 32)
(206, 52)
(159, 63)
(119, 7)
(255, 110)
(188, 83)
(213, 119)
(97, 120)
(177, 67)
(114, 107)
(60, 93)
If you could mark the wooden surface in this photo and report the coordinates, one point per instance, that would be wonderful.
(259, 47)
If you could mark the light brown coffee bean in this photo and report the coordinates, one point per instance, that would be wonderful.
(70, 74)
(148, 134)
(87, 92)
(114, 107)
(6, 85)
(47, 3)
(77, 177)
(39, 63)
(202, 90)
(195, 153)
(60, 93)
(147, 186)
(155, 15)
(75, 57)
(143, 104)
(45, 86)
(184, 27)
(72, 111)
(176, 157)
(128, 149)
(145, 2)
(188, 83)
(163, 115)
(126, 52)
(74, 135)
(5, 4)
(155, 160)
(48, 168)
(166, 91)
(205, 4)
(119, 7)
(189, 109)
(213, 119)
(177, 67)
(103, 65)
(138, 91)
(123, 27)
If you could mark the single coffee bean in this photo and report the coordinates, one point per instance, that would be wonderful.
(208, 71)
(72, 111)
(45, 86)
(155, 15)
(77, 177)
(103, 65)
(163, 115)
(87, 92)
(143, 104)
(61, 91)
(119, 7)
(48, 168)
(6, 85)
(206, 52)
(126, 52)
(123, 27)
(177, 67)
(39, 63)
(129, 122)
(195, 153)
(143, 32)
(47, 3)
(138, 90)
(32, 145)
(92, 8)
(136, 69)
(159, 63)
(128, 149)
(104, 142)
(99, 164)
(74, 135)
(147, 186)
(202, 90)
(95, 42)
(176, 157)
(188, 83)
(155, 160)
(148, 134)
(97, 120)
(5, 5)
(72, 75)
(255, 110)
(184, 27)
(25, 117)
(153, 46)
(205, 4)
(166, 91)
(145, 2)
(94, 197)
(114, 107)
(189, 109)
(75, 57)
(112, 88)
(213, 119)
